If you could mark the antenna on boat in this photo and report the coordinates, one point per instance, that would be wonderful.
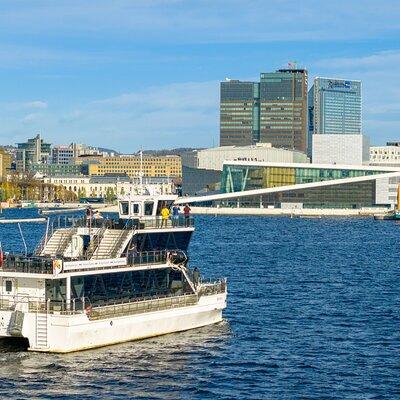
(23, 239)
(141, 173)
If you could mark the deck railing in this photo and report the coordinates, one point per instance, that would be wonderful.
(38, 304)
(210, 287)
(44, 264)
(116, 307)
(31, 265)
(140, 306)
(146, 222)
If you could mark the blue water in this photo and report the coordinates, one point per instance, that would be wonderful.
(313, 313)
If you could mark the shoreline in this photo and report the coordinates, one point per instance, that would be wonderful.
(294, 213)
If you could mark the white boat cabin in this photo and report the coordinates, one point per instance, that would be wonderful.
(144, 206)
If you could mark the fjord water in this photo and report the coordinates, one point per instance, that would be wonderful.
(313, 312)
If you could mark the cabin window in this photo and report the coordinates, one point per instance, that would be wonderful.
(9, 285)
(148, 208)
(56, 290)
(124, 205)
(136, 208)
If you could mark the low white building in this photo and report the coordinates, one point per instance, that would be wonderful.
(340, 149)
(214, 158)
(85, 186)
(384, 155)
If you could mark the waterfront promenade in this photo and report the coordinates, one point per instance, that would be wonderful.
(304, 212)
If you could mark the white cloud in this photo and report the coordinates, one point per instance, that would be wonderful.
(38, 104)
(383, 59)
(180, 114)
(199, 21)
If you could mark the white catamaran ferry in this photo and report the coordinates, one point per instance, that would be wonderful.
(96, 282)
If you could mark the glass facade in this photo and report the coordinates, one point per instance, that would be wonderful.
(239, 109)
(272, 111)
(349, 195)
(236, 178)
(336, 106)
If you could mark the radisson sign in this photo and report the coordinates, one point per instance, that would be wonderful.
(339, 84)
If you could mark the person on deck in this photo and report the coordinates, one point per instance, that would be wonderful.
(186, 213)
(175, 215)
(164, 216)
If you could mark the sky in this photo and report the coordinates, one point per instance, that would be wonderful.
(131, 74)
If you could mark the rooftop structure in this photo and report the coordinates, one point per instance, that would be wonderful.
(214, 158)
(340, 149)
(385, 155)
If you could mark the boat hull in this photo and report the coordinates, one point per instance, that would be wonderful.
(58, 333)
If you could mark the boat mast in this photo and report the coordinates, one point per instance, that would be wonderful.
(141, 173)
(398, 197)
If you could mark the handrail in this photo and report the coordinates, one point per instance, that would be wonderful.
(142, 222)
(44, 264)
(40, 305)
(140, 306)
(95, 242)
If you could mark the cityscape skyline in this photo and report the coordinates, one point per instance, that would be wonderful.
(102, 76)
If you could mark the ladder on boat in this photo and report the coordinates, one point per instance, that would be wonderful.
(41, 330)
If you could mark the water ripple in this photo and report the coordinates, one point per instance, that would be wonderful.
(314, 312)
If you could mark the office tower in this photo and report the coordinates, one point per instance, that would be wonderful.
(283, 108)
(335, 122)
(239, 113)
(33, 151)
(336, 106)
(271, 111)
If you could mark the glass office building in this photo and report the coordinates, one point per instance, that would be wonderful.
(335, 106)
(273, 110)
(283, 108)
(237, 178)
(239, 113)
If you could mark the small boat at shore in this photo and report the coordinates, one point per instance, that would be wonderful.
(393, 215)
(22, 220)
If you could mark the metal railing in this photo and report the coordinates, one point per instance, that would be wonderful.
(110, 223)
(44, 264)
(40, 305)
(140, 306)
(210, 287)
(31, 265)
(115, 307)
(171, 222)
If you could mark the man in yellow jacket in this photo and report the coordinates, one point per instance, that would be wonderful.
(164, 216)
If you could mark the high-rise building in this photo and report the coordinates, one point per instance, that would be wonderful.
(33, 151)
(62, 155)
(283, 108)
(335, 134)
(239, 113)
(273, 110)
(335, 106)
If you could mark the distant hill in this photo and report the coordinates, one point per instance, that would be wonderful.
(177, 152)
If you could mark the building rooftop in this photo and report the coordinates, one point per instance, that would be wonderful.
(314, 166)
